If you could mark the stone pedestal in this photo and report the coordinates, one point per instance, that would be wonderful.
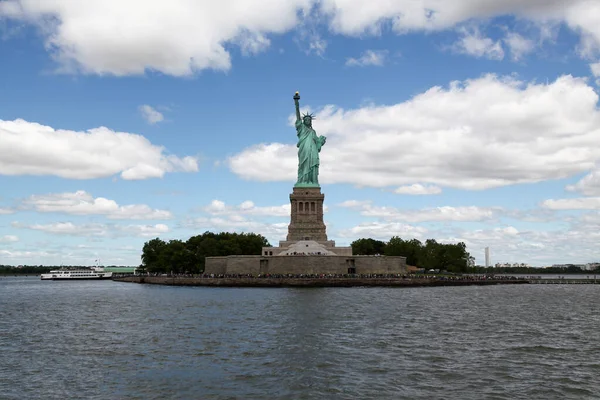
(307, 215)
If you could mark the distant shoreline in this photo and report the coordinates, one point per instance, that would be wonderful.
(312, 282)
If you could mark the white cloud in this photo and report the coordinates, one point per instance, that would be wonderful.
(474, 44)
(21, 255)
(317, 45)
(144, 230)
(574, 244)
(252, 43)
(307, 35)
(354, 203)
(72, 255)
(589, 185)
(28, 148)
(355, 17)
(417, 189)
(384, 231)
(368, 58)
(151, 115)
(67, 228)
(4, 211)
(177, 37)
(9, 239)
(518, 45)
(180, 37)
(217, 207)
(595, 67)
(83, 203)
(477, 134)
(582, 203)
(563, 239)
(541, 247)
(438, 214)
(245, 217)
(239, 223)
(97, 230)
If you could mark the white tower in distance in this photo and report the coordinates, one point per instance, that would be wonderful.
(487, 257)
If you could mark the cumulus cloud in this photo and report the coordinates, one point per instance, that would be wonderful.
(180, 37)
(574, 244)
(218, 207)
(24, 255)
(438, 214)
(474, 44)
(384, 231)
(269, 221)
(4, 211)
(368, 58)
(28, 148)
(518, 45)
(478, 134)
(582, 203)
(177, 37)
(150, 114)
(238, 223)
(418, 189)
(356, 17)
(541, 245)
(354, 203)
(97, 230)
(563, 238)
(9, 239)
(83, 203)
(595, 67)
(589, 185)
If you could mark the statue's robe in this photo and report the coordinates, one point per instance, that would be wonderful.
(309, 145)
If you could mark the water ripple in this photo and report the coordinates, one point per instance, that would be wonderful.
(107, 340)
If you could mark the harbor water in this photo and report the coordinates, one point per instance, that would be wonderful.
(113, 340)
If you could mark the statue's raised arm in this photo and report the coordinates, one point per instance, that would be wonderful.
(297, 102)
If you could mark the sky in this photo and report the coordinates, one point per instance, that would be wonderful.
(456, 120)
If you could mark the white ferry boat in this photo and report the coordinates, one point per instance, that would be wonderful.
(77, 274)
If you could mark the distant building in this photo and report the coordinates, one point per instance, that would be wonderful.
(487, 257)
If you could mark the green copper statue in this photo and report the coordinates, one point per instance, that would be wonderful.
(309, 145)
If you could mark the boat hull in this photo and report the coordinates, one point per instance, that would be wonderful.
(84, 278)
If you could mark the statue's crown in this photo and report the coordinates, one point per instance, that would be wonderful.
(310, 115)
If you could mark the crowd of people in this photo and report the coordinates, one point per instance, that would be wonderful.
(335, 276)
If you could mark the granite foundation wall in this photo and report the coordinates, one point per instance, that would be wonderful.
(305, 265)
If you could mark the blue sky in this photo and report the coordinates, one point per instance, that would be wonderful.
(465, 120)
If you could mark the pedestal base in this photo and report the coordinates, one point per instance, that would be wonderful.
(307, 215)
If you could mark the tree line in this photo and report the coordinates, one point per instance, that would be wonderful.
(177, 256)
(452, 257)
(24, 270)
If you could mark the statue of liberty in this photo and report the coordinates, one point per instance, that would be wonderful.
(309, 145)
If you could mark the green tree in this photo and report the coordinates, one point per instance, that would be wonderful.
(189, 256)
(368, 247)
(411, 249)
(152, 255)
(177, 258)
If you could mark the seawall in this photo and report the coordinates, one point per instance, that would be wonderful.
(311, 282)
